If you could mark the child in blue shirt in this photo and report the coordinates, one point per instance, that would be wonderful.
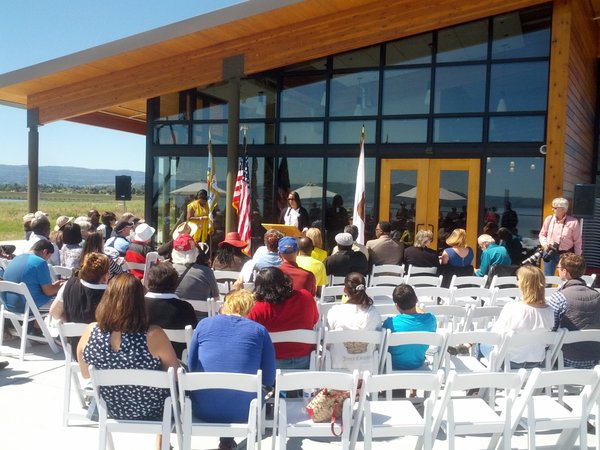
(410, 356)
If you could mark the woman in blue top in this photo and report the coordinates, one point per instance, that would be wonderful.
(458, 254)
(229, 342)
(410, 356)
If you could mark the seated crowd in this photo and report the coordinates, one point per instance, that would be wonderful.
(126, 320)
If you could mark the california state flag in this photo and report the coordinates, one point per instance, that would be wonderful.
(358, 216)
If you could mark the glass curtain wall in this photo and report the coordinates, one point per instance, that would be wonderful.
(476, 89)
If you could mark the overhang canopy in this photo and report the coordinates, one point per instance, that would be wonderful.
(108, 85)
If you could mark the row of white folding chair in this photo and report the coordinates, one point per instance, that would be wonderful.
(177, 406)
(448, 408)
(60, 272)
(73, 381)
(20, 321)
(386, 274)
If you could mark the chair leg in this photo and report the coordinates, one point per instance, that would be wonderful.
(583, 435)
(67, 395)
(1, 324)
(24, 335)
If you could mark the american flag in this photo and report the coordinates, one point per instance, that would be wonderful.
(241, 198)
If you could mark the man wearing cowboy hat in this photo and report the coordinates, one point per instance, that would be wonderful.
(230, 256)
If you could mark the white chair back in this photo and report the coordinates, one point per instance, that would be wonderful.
(301, 336)
(370, 342)
(505, 282)
(432, 295)
(415, 270)
(468, 281)
(475, 296)
(450, 318)
(422, 281)
(181, 336)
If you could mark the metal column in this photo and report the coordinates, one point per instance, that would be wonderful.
(33, 119)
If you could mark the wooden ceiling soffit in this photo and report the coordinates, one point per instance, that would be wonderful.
(342, 31)
(111, 121)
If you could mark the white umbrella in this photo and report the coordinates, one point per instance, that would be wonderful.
(311, 190)
(445, 194)
(192, 189)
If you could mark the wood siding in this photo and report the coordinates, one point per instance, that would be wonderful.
(571, 100)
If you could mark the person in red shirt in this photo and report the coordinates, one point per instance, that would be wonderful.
(139, 247)
(301, 278)
(279, 307)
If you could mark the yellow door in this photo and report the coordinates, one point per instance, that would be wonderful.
(437, 194)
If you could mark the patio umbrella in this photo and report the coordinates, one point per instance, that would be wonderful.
(192, 189)
(311, 190)
(445, 194)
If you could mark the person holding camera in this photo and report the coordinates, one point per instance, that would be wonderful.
(560, 233)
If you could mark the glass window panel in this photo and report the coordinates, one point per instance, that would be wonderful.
(171, 134)
(505, 182)
(211, 103)
(301, 133)
(406, 91)
(258, 98)
(259, 133)
(519, 87)
(365, 57)
(348, 132)
(399, 131)
(303, 96)
(517, 129)
(341, 179)
(458, 129)
(522, 34)
(452, 203)
(412, 50)
(460, 89)
(218, 133)
(173, 106)
(466, 42)
(354, 94)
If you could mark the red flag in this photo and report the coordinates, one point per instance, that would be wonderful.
(241, 199)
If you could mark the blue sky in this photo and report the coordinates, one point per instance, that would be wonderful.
(34, 31)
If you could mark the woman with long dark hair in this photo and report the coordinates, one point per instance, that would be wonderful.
(295, 214)
(358, 313)
(95, 243)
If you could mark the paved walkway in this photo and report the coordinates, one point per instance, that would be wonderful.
(31, 414)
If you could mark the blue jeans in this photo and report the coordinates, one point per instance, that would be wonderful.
(484, 350)
(550, 266)
(298, 362)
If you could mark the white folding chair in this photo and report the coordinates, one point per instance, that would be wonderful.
(388, 418)
(506, 282)
(290, 416)
(541, 412)
(473, 415)
(416, 270)
(229, 276)
(589, 279)
(481, 317)
(386, 280)
(381, 294)
(60, 272)
(574, 337)
(422, 281)
(20, 321)
(181, 336)
(431, 295)
(386, 274)
(335, 280)
(470, 363)
(475, 296)
(330, 294)
(133, 377)
(450, 318)
(551, 340)
(240, 382)
(386, 310)
(506, 295)
(303, 337)
(200, 306)
(68, 330)
(373, 341)
(468, 281)
(223, 287)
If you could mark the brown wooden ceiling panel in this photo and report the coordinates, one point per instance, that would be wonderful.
(288, 35)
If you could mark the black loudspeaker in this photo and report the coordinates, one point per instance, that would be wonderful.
(584, 200)
(122, 187)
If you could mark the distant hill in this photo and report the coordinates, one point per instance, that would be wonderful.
(69, 176)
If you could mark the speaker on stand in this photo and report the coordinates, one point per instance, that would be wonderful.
(123, 189)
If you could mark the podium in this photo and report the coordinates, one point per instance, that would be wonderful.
(288, 230)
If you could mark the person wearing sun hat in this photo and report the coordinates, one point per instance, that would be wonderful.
(139, 248)
(230, 256)
(196, 280)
